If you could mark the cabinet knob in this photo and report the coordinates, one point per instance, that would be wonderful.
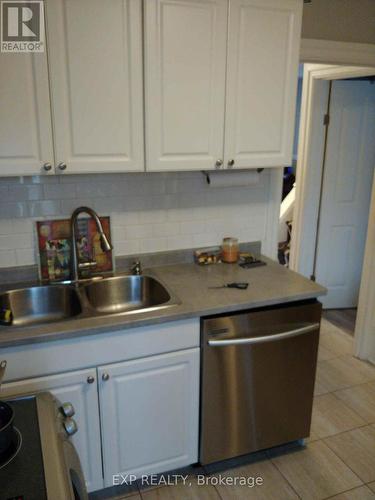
(47, 167)
(70, 426)
(90, 379)
(105, 377)
(61, 166)
(67, 409)
(230, 163)
(218, 163)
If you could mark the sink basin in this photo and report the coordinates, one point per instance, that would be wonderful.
(41, 304)
(126, 293)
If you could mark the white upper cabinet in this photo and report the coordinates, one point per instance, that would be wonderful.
(95, 62)
(185, 64)
(263, 51)
(25, 122)
(202, 72)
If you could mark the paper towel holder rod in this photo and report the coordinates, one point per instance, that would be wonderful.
(207, 174)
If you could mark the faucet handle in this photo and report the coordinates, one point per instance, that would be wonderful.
(136, 268)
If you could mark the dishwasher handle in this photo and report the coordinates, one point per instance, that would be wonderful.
(264, 338)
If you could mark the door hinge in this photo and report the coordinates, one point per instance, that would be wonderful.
(312, 277)
(326, 119)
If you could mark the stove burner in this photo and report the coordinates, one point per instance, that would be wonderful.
(7, 456)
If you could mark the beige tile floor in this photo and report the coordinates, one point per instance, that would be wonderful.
(338, 461)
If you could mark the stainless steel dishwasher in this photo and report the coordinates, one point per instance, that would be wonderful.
(258, 373)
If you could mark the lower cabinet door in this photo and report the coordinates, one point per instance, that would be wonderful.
(149, 414)
(80, 389)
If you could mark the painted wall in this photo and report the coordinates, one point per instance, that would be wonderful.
(340, 20)
(150, 212)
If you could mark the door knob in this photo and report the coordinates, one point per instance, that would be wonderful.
(47, 167)
(90, 379)
(218, 163)
(105, 377)
(61, 166)
(230, 163)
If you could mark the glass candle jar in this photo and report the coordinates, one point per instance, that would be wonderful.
(230, 250)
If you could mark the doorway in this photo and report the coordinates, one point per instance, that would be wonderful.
(335, 167)
(346, 182)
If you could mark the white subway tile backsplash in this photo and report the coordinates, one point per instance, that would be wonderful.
(166, 229)
(193, 227)
(25, 192)
(25, 256)
(181, 241)
(15, 241)
(127, 247)
(152, 245)
(8, 258)
(138, 232)
(59, 191)
(149, 211)
(44, 208)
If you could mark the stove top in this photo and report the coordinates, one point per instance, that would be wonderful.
(22, 474)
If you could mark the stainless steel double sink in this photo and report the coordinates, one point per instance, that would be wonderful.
(125, 294)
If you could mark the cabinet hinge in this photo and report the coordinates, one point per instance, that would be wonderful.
(312, 277)
(326, 119)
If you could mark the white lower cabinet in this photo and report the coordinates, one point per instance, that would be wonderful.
(135, 394)
(80, 389)
(149, 413)
(148, 417)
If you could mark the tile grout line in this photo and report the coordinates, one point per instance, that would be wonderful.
(342, 460)
(349, 408)
(286, 479)
(341, 432)
(347, 491)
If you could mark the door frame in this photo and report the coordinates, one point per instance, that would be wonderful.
(364, 345)
(310, 153)
(332, 52)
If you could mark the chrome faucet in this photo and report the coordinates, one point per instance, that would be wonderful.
(76, 266)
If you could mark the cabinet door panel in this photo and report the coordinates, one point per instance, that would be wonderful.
(149, 414)
(95, 50)
(263, 48)
(185, 58)
(25, 120)
(73, 388)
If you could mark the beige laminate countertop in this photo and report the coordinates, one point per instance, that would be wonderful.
(268, 285)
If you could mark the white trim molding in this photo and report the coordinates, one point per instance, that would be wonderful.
(364, 338)
(330, 52)
(308, 183)
(310, 158)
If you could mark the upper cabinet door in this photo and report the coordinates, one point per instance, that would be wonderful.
(95, 60)
(185, 63)
(263, 50)
(25, 119)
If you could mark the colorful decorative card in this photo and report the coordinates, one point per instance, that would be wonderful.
(55, 252)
